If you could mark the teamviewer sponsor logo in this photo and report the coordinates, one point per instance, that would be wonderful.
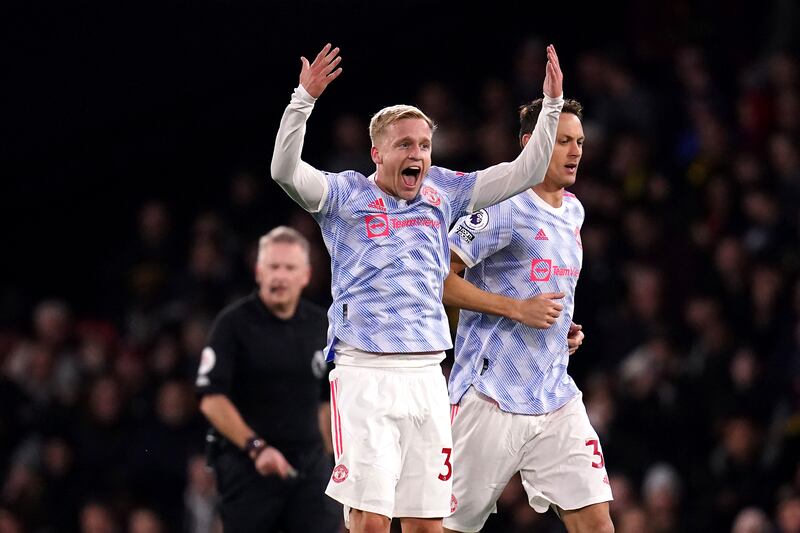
(540, 269)
(377, 226)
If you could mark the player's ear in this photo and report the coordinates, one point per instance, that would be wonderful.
(376, 156)
(525, 138)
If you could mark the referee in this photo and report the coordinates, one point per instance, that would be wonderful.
(263, 382)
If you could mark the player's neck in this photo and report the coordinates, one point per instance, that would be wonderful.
(552, 195)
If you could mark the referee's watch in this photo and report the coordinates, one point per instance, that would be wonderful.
(253, 446)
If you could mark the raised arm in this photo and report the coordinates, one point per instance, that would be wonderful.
(496, 183)
(538, 312)
(303, 183)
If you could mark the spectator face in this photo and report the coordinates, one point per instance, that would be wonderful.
(282, 272)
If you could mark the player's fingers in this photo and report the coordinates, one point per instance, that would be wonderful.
(332, 65)
(332, 54)
(554, 57)
(335, 74)
(322, 53)
(557, 307)
(304, 63)
(552, 295)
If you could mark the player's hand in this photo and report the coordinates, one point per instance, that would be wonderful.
(316, 76)
(541, 311)
(574, 337)
(553, 78)
(271, 461)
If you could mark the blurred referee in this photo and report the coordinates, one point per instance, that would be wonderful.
(263, 381)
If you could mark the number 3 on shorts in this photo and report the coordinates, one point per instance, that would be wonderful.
(446, 452)
(597, 452)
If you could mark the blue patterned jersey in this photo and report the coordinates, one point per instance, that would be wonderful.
(519, 248)
(389, 259)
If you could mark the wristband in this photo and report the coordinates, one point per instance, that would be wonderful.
(254, 446)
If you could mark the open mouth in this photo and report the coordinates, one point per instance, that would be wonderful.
(277, 289)
(410, 175)
(571, 167)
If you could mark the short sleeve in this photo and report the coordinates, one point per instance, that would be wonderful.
(476, 236)
(218, 359)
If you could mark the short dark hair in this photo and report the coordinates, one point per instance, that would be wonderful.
(529, 113)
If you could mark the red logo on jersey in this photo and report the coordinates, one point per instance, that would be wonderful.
(431, 195)
(377, 204)
(541, 236)
(459, 174)
(453, 503)
(540, 269)
(339, 474)
(377, 225)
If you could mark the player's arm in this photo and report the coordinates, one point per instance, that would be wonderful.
(496, 183)
(303, 183)
(539, 312)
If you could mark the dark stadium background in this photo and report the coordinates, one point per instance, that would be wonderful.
(109, 104)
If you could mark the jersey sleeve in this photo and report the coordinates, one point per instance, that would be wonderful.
(339, 187)
(476, 236)
(218, 359)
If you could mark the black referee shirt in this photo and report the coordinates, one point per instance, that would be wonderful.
(272, 370)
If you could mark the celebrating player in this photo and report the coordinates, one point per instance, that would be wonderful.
(387, 238)
(515, 408)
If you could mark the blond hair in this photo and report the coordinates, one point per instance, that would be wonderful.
(286, 235)
(389, 115)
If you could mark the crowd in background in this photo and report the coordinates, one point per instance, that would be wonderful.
(689, 297)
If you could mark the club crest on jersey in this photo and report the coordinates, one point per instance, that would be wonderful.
(540, 269)
(453, 503)
(339, 474)
(431, 195)
(477, 220)
(377, 225)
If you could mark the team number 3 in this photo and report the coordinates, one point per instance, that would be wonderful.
(597, 452)
(446, 476)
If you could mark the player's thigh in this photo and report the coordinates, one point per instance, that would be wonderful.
(564, 466)
(365, 413)
(424, 487)
(483, 461)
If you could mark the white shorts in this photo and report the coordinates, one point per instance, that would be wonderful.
(391, 440)
(558, 456)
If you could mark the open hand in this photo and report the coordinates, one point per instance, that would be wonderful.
(316, 77)
(553, 77)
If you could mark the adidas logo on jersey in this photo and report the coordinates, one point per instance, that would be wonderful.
(541, 236)
(377, 204)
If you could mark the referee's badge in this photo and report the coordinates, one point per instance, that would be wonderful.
(208, 358)
(318, 365)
